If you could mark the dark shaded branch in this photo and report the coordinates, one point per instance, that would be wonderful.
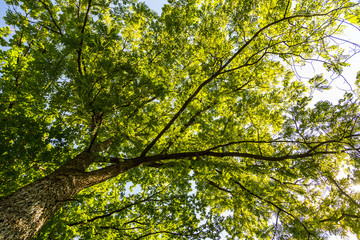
(343, 192)
(103, 174)
(276, 224)
(135, 220)
(47, 27)
(120, 229)
(167, 232)
(112, 212)
(218, 187)
(86, 16)
(185, 155)
(80, 162)
(290, 183)
(155, 165)
(251, 141)
(108, 172)
(94, 128)
(280, 209)
(52, 18)
(79, 51)
(246, 64)
(344, 215)
(185, 126)
(318, 143)
(287, 8)
(242, 86)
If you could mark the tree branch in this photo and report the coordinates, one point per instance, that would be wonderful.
(344, 215)
(184, 155)
(343, 192)
(103, 174)
(218, 187)
(280, 209)
(167, 232)
(52, 18)
(276, 223)
(79, 51)
(318, 143)
(274, 205)
(112, 212)
(185, 126)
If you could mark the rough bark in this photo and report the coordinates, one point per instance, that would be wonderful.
(24, 212)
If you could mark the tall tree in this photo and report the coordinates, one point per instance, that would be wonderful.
(119, 123)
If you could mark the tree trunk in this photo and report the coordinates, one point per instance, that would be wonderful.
(24, 212)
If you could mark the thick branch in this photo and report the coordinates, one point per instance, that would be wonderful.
(101, 175)
(185, 155)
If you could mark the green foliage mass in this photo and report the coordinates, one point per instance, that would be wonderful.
(210, 81)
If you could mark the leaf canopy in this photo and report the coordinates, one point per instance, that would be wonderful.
(205, 93)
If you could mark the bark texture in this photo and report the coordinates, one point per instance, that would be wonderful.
(24, 212)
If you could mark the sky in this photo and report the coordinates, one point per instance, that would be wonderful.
(155, 4)
(3, 8)
(339, 85)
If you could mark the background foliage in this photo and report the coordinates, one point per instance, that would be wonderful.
(206, 85)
